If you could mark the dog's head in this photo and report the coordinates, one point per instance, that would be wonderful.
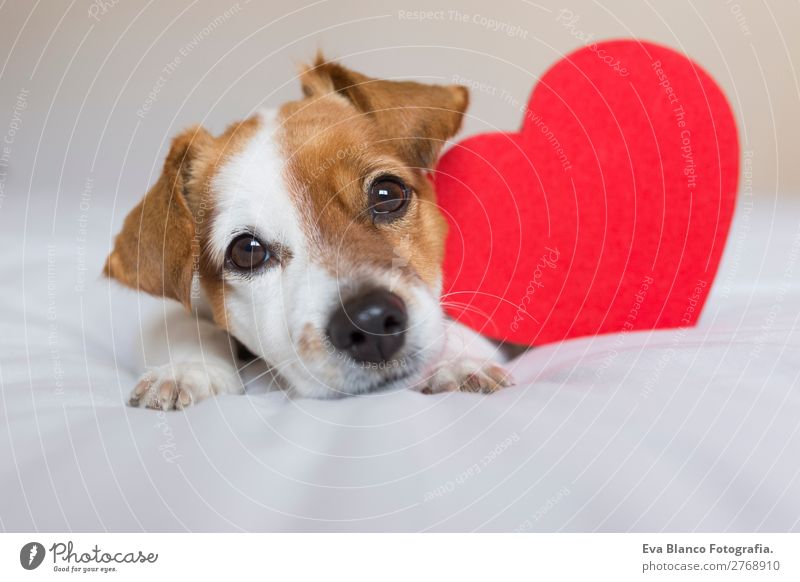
(311, 232)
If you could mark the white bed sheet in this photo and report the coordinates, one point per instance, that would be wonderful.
(673, 430)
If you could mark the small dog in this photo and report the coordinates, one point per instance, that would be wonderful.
(311, 235)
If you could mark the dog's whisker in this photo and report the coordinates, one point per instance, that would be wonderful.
(461, 304)
(248, 364)
(466, 307)
(271, 369)
(258, 377)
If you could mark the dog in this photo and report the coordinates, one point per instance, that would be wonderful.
(310, 234)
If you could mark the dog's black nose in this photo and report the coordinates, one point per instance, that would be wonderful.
(371, 327)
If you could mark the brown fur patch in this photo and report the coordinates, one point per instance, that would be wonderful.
(154, 250)
(160, 245)
(310, 343)
(418, 118)
(331, 148)
(348, 128)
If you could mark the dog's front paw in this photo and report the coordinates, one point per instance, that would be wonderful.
(178, 385)
(467, 375)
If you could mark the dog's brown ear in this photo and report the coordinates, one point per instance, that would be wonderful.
(156, 250)
(418, 117)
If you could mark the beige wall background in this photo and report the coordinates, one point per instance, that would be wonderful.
(91, 91)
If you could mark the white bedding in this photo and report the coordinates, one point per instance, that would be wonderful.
(675, 430)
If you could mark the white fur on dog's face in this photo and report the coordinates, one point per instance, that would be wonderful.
(281, 313)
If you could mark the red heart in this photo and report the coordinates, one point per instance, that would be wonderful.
(607, 212)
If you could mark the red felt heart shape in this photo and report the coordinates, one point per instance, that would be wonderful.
(607, 212)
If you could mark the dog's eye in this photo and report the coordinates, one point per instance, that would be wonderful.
(246, 253)
(388, 198)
